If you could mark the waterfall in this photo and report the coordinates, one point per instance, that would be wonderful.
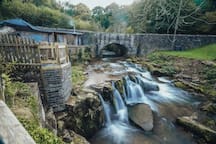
(146, 84)
(106, 110)
(135, 94)
(120, 106)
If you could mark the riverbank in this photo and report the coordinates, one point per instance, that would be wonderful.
(198, 76)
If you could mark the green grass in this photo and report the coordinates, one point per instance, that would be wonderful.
(203, 53)
(77, 75)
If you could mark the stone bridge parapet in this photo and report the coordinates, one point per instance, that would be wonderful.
(142, 44)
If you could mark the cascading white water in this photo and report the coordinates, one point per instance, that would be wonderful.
(146, 84)
(120, 106)
(135, 94)
(141, 88)
(106, 110)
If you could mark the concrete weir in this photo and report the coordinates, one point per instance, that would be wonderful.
(57, 86)
(11, 130)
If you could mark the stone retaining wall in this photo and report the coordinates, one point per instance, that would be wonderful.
(57, 85)
(146, 43)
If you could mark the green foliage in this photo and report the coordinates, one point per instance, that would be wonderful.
(20, 93)
(17, 94)
(77, 75)
(42, 16)
(210, 75)
(206, 23)
(40, 135)
(87, 54)
(5, 68)
(157, 16)
(86, 25)
(10, 90)
(32, 102)
(203, 53)
(100, 16)
(81, 11)
(161, 16)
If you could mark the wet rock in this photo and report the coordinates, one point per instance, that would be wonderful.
(188, 85)
(148, 85)
(119, 85)
(51, 122)
(78, 139)
(85, 114)
(61, 126)
(73, 138)
(141, 115)
(198, 129)
(105, 89)
(209, 108)
(67, 137)
(157, 72)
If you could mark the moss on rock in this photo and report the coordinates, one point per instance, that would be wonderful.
(198, 129)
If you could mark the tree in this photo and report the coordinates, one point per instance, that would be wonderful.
(118, 18)
(81, 11)
(100, 15)
(42, 16)
(163, 16)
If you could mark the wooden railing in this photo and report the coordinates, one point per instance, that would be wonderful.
(24, 51)
(54, 53)
(19, 50)
(74, 49)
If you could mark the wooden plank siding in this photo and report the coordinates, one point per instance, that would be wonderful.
(19, 50)
(25, 51)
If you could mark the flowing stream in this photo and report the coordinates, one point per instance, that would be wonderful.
(166, 101)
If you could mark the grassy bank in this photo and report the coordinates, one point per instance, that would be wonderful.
(24, 104)
(203, 53)
(189, 68)
(78, 76)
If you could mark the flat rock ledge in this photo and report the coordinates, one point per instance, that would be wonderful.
(198, 129)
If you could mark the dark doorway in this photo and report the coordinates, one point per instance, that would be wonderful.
(114, 50)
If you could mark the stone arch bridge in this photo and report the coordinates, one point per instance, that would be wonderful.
(105, 39)
(142, 44)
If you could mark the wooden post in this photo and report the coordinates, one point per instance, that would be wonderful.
(67, 53)
(57, 51)
(2, 87)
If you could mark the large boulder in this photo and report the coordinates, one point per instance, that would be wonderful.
(141, 114)
(84, 115)
(198, 129)
(73, 138)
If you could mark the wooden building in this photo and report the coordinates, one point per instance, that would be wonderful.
(40, 34)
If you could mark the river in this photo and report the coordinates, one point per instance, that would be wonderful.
(165, 100)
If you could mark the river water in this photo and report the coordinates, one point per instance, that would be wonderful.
(165, 100)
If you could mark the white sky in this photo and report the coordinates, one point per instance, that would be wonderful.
(92, 3)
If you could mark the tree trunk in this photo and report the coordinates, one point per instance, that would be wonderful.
(176, 24)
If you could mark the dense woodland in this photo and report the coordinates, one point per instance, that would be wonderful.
(152, 16)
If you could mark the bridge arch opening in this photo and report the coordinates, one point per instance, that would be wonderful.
(114, 50)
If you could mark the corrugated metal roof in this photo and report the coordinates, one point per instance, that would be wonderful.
(22, 23)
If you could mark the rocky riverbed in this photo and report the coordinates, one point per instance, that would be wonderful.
(163, 119)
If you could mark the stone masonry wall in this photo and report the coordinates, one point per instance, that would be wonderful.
(142, 44)
(57, 85)
(146, 43)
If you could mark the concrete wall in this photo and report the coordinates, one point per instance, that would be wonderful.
(11, 130)
(57, 85)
